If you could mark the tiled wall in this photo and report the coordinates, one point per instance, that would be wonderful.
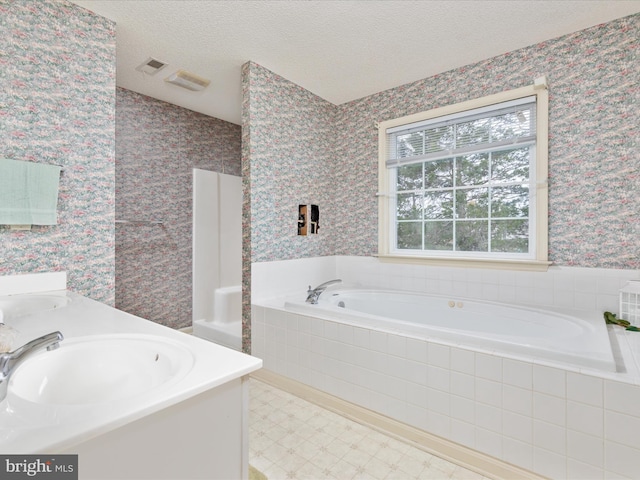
(563, 287)
(158, 145)
(57, 82)
(593, 160)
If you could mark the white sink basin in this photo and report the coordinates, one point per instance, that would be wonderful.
(16, 305)
(100, 369)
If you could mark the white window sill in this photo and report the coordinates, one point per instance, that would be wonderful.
(503, 264)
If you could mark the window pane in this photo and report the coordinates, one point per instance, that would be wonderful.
(472, 169)
(512, 201)
(438, 174)
(510, 236)
(473, 133)
(472, 203)
(409, 206)
(472, 236)
(409, 177)
(438, 236)
(410, 235)
(510, 125)
(410, 144)
(510, 165)
(438, 205)
(438, 139)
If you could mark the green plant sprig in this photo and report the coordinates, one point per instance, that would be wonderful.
(610, 319)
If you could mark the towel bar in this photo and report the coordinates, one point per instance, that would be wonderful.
(142, 222)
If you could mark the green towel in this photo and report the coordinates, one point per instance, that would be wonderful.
(28, 193)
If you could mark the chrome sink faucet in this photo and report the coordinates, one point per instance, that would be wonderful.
(313, 294)
(11, 360)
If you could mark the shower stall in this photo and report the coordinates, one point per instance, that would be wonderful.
(217, 257)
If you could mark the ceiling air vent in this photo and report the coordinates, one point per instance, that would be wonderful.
(188, 80)
(151, 66)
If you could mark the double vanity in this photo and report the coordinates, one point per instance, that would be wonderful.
(133, 399)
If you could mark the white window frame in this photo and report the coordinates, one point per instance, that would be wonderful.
(538, 261)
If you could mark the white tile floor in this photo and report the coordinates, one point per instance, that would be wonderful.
(291, 438)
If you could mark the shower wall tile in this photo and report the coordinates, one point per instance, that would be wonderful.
(57, 81)
(158, 145)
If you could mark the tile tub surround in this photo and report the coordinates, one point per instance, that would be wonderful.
(565, 287)
(553, 421)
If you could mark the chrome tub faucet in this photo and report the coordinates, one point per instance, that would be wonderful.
(313, 294)
(11, 360)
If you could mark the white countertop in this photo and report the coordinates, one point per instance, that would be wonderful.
(27, 427)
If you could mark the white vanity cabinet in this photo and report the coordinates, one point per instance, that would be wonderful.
(148, 402)
(203, 437)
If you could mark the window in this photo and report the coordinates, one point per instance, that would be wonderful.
(468, 181)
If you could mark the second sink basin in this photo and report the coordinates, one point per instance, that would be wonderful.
(17, 305)
(99, 369)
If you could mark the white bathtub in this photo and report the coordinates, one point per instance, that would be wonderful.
(577, 339)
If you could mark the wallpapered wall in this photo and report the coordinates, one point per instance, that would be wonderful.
(292, 135)
(57, 106)
(594, 166)
(157, 147)
(245, 165)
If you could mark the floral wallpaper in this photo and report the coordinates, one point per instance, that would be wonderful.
(301, 146)
(594, 165)
(57, 106)
(157, 147)
(292, 135)
(246, 206)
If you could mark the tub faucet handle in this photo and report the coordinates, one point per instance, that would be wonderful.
(313, 294)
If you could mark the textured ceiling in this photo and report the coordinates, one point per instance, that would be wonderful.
(340, 50)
